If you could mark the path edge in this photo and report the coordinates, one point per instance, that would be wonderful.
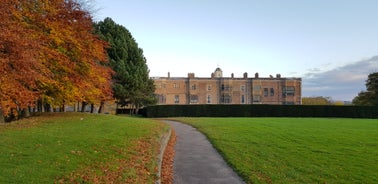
(163, 144)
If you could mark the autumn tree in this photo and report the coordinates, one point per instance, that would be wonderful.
(339, 103)
(370, 96)
(48, 51)
(319, 100)
(20, 66)
(77, 55)
(131, 83)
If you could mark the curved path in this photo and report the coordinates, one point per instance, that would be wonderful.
(196, 161)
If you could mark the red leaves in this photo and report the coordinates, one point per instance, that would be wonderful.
(17, 52)
(47, 48)
(168, 158)
(132, 169)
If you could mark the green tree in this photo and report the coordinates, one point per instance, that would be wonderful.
(319, 100)
(369, 97)
(131, 83)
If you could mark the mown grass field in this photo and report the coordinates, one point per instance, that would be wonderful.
(80, 148)
(296, 150)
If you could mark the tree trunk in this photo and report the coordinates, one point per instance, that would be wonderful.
(48, 108)
(25, 113)
(83, 105)
(101, 107)
(43, 108)
(63, 107)
(78, 107)
(92, 107)
(12, 115)
(2, 118)
(40, 105)
(137, 109)
(131, 109)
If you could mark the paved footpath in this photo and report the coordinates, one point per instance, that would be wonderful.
(196, 161)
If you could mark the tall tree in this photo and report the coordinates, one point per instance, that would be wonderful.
(370, 96)
(77, 55)
(20, 67)
(131, 83)
(48, 50)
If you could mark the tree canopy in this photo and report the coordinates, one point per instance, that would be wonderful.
(131, 82)
(370, 96)
(319, 100)
(48, 51)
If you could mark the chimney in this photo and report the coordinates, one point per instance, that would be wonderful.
(278, 76)
(256, 75)
(169, 75)
(232, 75)
(245, 75)
(191, 75)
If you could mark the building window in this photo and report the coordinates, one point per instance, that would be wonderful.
(288, 91)
(175, 85)
(242, 88)
(225, 98)
(287, 103)
(193, 98)
(265, 91)
(208, 87)
(161, 99)
(271, 92)
(256, 99)
(177, 99)
(226, 87)
(242, 99)
(256, 88)
(194, 87)
(209, 99)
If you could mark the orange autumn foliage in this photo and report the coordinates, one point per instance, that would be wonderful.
(48, 50)
(17, 52)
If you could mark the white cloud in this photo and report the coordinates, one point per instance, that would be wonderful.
(342, 83)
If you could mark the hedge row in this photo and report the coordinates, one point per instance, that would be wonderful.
(260, 111)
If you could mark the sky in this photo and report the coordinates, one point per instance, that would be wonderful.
(331, 44)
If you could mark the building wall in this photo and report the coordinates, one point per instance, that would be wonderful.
(227, 90)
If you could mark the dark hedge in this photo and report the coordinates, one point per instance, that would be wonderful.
(260, 111)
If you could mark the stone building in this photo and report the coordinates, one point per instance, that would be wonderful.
(227, 90)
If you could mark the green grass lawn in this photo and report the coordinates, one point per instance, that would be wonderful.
(296, 150)
(78, 147)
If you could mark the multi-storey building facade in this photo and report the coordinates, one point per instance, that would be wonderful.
(227, 90)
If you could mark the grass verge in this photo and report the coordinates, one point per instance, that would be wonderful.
(80, 148)
(296, 150)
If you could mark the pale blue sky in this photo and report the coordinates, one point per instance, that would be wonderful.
(296, 38)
